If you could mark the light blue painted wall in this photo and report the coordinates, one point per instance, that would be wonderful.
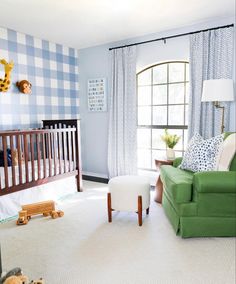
(94, 62)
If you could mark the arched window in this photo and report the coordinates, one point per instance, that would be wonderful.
(162, 91)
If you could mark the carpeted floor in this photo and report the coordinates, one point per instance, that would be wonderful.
(83, 248)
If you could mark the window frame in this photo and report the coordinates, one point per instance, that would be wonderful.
(183, 127)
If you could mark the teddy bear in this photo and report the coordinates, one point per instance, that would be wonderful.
(13, 273)
(40, 281)
(15, 156)
(15, 276)
(20, 279)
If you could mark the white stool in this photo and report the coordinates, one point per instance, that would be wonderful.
(128, 193)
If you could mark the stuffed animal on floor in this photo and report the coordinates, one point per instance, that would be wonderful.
(40, 281)
(21, 279)
(14, 276)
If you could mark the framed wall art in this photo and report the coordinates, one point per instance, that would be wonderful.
(97, 99)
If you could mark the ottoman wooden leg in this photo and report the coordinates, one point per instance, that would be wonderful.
(109, 210)
(147, 211)
(140, 209)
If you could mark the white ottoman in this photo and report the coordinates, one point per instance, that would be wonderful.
(128, 193)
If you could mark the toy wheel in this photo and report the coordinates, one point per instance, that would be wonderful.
(60, 213)
(46, 214)
(28, 218)
(54, 215)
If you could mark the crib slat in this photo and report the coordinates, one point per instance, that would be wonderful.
(69, 149)
(73, 148)
(26, 152)
(32, 156)
(55, 152)
(49, 153)
(65, 150)
(38, 155)
(44, 156)
(4, 142)
(12, 163)
(19, 158)
(59, 150)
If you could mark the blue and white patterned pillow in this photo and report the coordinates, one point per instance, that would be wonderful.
(201, 155)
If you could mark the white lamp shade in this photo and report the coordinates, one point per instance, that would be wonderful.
(219, 90)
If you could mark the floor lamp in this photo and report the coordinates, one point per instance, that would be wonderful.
(216, 91)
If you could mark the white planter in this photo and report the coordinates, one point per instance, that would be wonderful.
(170, 154)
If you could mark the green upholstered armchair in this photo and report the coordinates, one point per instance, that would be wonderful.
(200, 204)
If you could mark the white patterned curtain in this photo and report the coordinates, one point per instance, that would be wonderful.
(122, 133)
(211, 57)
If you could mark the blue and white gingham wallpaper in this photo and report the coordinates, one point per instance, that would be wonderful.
(52, 70)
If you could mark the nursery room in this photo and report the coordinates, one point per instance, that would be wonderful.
(117, 142)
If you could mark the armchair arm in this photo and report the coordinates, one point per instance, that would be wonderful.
(177, 162)
(215, 182)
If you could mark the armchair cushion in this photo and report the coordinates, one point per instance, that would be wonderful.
(215, 182)
(227, 153)
(177, 183)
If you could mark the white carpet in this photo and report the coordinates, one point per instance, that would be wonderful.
(83, 248)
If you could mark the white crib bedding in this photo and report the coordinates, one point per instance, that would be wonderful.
(10, 204)
(63, 164)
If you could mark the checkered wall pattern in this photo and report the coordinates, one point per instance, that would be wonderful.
(51, 68)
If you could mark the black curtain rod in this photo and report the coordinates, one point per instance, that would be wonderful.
(173, 36)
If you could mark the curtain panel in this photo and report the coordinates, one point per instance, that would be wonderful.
(122, 133)
(211, 57)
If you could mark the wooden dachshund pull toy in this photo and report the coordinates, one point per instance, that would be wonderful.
(46, 208)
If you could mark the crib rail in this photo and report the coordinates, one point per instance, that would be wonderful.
(34, 157)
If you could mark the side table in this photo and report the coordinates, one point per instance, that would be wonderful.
(159, 185)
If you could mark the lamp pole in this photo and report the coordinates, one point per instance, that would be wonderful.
(217, 105)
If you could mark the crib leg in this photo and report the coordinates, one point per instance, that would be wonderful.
(78, 183)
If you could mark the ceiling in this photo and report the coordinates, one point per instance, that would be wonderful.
(84, 23)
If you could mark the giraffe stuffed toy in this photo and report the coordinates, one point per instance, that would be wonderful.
(5, 83)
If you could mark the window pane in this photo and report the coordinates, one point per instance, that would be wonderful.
(178, 154)
(144, 78)
(176, 115)
(144, 138)
(144, 158)
(160, 74)
(160, 95)
(176, 72)
(187, 71)
(186, 115)
(158, 154)
(185, 139)
(144, 95)
(157, 142)
(187, 93)
(176, 93)
(159, 115)
(144, 115)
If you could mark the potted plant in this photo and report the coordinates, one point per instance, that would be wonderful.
(170, 141)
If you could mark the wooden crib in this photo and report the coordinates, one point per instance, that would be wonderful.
(40, 155)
